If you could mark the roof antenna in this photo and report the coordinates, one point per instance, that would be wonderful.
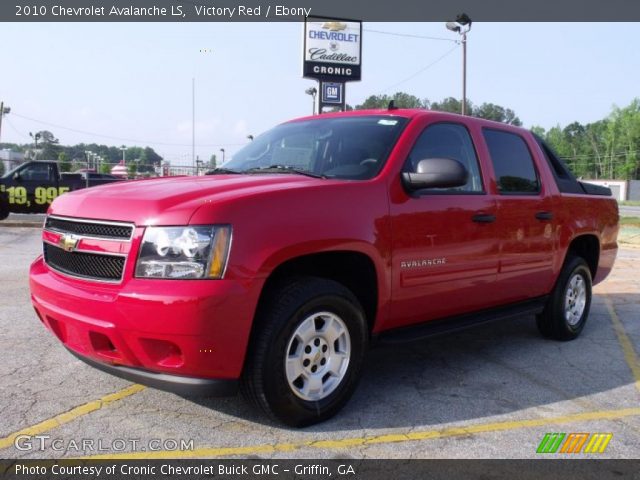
(392, 105)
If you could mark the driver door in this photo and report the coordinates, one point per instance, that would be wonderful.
(445, 241)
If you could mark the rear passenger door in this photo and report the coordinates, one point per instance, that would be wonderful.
(524, 218)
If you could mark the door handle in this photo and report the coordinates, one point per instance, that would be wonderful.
(544, 216)
(483, 218)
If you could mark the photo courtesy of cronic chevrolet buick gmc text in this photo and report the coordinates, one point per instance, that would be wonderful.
(276, 272)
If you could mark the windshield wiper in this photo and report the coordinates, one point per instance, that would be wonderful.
(220, 171)
(284, 169)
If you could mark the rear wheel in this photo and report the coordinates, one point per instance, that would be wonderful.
(307, 352)
(567, 310)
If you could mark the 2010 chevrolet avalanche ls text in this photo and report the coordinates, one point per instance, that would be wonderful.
(276, 271)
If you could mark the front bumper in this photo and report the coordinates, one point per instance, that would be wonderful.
(186, 336)
(187, 386)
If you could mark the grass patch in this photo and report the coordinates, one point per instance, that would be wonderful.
(630, 203)
(630, 221)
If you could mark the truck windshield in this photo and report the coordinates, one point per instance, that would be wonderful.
(352, 148)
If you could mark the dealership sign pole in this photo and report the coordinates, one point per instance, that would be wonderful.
(332, 55)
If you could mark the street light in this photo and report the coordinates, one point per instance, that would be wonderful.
(88, 155)
(35, 137)
(222, 150)
(461, 26)
(313, 91)
(124, 149)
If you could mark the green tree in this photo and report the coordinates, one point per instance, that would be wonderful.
(49, 147)
(105, 168)
(452, 105)
(627, 120)
(150, 157)
(213, 160)
(538, 130)
(497, 113)
(132, 169)
(400, 100)
(63, 162)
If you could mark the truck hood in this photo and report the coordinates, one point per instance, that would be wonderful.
(170, 200)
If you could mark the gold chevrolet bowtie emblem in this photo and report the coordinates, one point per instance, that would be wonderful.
(68, 242)
(334, 26)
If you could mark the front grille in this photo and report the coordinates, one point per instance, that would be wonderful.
(86, 265)
(99, 230)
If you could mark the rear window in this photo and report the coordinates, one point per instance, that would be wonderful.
(512, 162)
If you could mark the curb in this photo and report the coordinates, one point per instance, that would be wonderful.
(21, 224)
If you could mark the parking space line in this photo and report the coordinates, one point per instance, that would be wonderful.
(414, 436)
(72, 414)
(630, 355)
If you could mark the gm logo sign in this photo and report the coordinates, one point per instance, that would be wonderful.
(574, 443)
(332, 92)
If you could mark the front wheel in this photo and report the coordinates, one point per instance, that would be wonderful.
(307, 352)
(4, 209)
(567, 310)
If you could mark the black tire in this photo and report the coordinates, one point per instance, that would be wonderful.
(4, 209)
(554, 322)
(264, 381)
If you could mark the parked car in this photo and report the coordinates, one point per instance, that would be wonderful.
(32, 186)
(92, 176)
(277, 271)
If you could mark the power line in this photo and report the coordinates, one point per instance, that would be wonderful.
(15, 129)
(603, 155)
(447, 53)
(131, 140)
(409, 35)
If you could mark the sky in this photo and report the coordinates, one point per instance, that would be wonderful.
(131, 83)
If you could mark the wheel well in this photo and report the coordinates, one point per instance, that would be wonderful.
(587, 247)
(354, 270)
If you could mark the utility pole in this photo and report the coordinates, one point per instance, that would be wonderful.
(462, 25)
(464, 73)
(3, 111)
(193, 122)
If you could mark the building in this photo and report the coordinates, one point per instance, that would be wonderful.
(11, 159)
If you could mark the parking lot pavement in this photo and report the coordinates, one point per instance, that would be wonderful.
(490, 392)
(23, 220)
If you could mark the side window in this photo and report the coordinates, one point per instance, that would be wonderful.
(36, 171)
(512, 162)
(447, 140)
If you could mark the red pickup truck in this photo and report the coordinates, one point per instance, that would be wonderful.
(277, 271)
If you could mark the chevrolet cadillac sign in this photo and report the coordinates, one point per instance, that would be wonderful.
(332, 49)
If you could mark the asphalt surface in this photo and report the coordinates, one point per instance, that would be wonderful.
(490, 392)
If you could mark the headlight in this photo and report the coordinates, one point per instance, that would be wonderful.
(184, 252)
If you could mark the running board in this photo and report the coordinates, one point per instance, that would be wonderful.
(433, 328)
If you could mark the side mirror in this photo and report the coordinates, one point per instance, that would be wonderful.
(17, 177)
(436, 173)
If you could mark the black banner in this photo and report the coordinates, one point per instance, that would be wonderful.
(347, 469)
(298, 10)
